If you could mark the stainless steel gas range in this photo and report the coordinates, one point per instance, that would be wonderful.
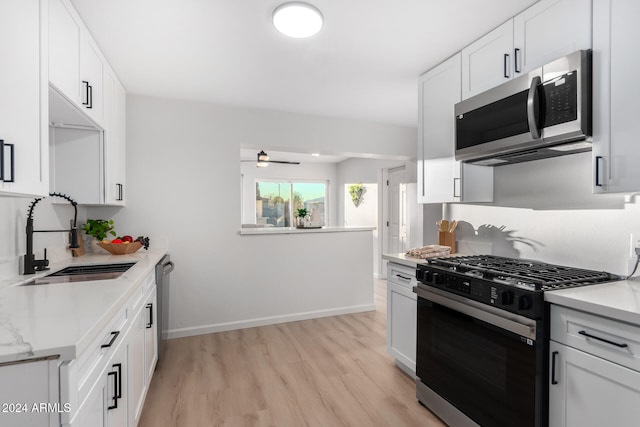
(483, 337)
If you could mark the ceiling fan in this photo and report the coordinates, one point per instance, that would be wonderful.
(263, 160)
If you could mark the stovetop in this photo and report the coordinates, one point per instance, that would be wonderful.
(535, 275)
(515, 285)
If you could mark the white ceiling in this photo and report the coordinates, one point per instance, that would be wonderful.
(363, 65)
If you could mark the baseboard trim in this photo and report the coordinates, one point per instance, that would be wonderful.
(263, 321)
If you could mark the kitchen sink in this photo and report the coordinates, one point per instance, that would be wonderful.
(83, 273)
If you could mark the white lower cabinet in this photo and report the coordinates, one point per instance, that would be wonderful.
(107, 384)
(401, 316)
(137, 374)
(594, 371)
(150, 335)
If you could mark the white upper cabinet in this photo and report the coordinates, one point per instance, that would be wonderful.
(115, 140)
(91, 78)
(88, 103)
(488, 61)
(440, 177)
(549, 30)
(615, 94)
(64, 50)
(24, 98)
(77, 66)
(544, 32)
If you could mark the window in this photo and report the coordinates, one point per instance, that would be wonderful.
(276, 202)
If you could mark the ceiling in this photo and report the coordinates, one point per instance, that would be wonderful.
(363, 65)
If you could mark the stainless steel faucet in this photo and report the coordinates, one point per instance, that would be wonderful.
(31, 264)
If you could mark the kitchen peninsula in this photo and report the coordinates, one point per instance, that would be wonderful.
(313, 272)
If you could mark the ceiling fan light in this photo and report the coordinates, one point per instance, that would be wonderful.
(262, 164)
(297, 19)
(262, 156)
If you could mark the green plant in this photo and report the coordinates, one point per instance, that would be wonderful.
(99, 228)
(301, 212)
(357, 192)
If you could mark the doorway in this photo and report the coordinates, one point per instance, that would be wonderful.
(394, 214)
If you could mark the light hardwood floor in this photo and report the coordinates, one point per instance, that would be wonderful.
(326, 372)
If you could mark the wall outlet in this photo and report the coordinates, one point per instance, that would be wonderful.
(634, 242)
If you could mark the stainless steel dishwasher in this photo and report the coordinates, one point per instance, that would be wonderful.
(163, 270)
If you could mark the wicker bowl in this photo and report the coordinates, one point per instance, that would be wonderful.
(120, 248)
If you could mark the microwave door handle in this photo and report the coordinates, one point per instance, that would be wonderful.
(533, 107)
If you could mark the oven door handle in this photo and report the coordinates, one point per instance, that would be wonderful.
(510, 325)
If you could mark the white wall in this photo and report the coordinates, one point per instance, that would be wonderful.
(302, 172)
(183, 169)
(545, 210)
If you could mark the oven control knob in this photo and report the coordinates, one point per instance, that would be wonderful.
(524, 302)
(428, 276)
(438, 279)
(506, 298)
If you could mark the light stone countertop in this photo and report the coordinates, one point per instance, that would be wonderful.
(403, 259)
(63, 318)
(294, 230)
(616, 300)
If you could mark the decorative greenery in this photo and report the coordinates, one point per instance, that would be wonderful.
(99, 228)
(357, 193)
(301, 213)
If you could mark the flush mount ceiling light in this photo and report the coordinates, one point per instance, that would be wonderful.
(297, 19)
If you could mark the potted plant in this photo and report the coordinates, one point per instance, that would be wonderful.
(98, 229)
(301, 214)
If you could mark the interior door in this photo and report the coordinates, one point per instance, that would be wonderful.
(396, 212)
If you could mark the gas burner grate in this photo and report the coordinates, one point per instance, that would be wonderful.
(540, 275)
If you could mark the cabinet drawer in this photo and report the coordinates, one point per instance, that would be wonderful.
(90, 363)
(401, 275)
(609, 339)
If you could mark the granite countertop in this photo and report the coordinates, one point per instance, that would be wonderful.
(616, 300)
(63, 318)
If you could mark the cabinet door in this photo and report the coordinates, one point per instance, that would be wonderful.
(115, 105)
(615, 91)
(590, 391)
(549, 30)
(488, 61)
(91, 78)
(151, 336)
(24, 99)
(94, 409)
(64, 49)
(137, 371)
(401, 324)
(117, 387)
(24, 389)
(438, 91)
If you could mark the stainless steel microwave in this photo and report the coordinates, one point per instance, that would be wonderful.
(544, 113)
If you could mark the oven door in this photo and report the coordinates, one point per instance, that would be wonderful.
(482, 363)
